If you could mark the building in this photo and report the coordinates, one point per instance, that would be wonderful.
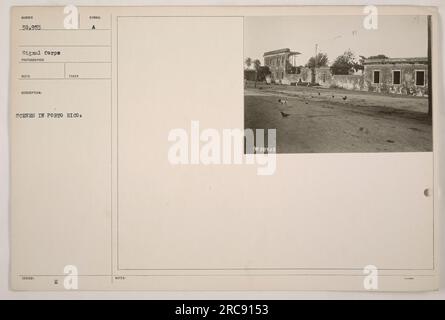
(397, 75)
(280, 63)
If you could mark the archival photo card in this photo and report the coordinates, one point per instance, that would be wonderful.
(129, 172)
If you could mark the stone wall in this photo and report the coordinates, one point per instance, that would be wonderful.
(305, 75)
(349, 82)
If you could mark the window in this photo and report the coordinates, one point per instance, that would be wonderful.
(376, 78)
(420, 78)
(396, 77)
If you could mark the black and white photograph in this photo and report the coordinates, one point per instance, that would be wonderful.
(332, 84)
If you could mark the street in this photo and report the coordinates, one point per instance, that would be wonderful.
(321, 120)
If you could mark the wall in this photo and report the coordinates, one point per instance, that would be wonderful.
(350, 82)
(305, 75)
(324, 77)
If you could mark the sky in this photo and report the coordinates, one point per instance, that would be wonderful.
(396, 36)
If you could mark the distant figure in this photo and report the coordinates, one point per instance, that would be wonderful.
(282, 101)
(345, 97)
(284, 115)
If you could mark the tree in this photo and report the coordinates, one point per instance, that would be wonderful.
(262, 73)
(320, 60)
(345, 63)
(257, 64)
(360, 65)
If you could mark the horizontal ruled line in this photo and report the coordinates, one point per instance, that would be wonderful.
(65, 30)
(25, 62)
(237, 275)
(71, 79)
(65, 46)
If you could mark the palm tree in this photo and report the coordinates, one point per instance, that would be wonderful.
(248, 62)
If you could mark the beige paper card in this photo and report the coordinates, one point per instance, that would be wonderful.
(223, 148)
